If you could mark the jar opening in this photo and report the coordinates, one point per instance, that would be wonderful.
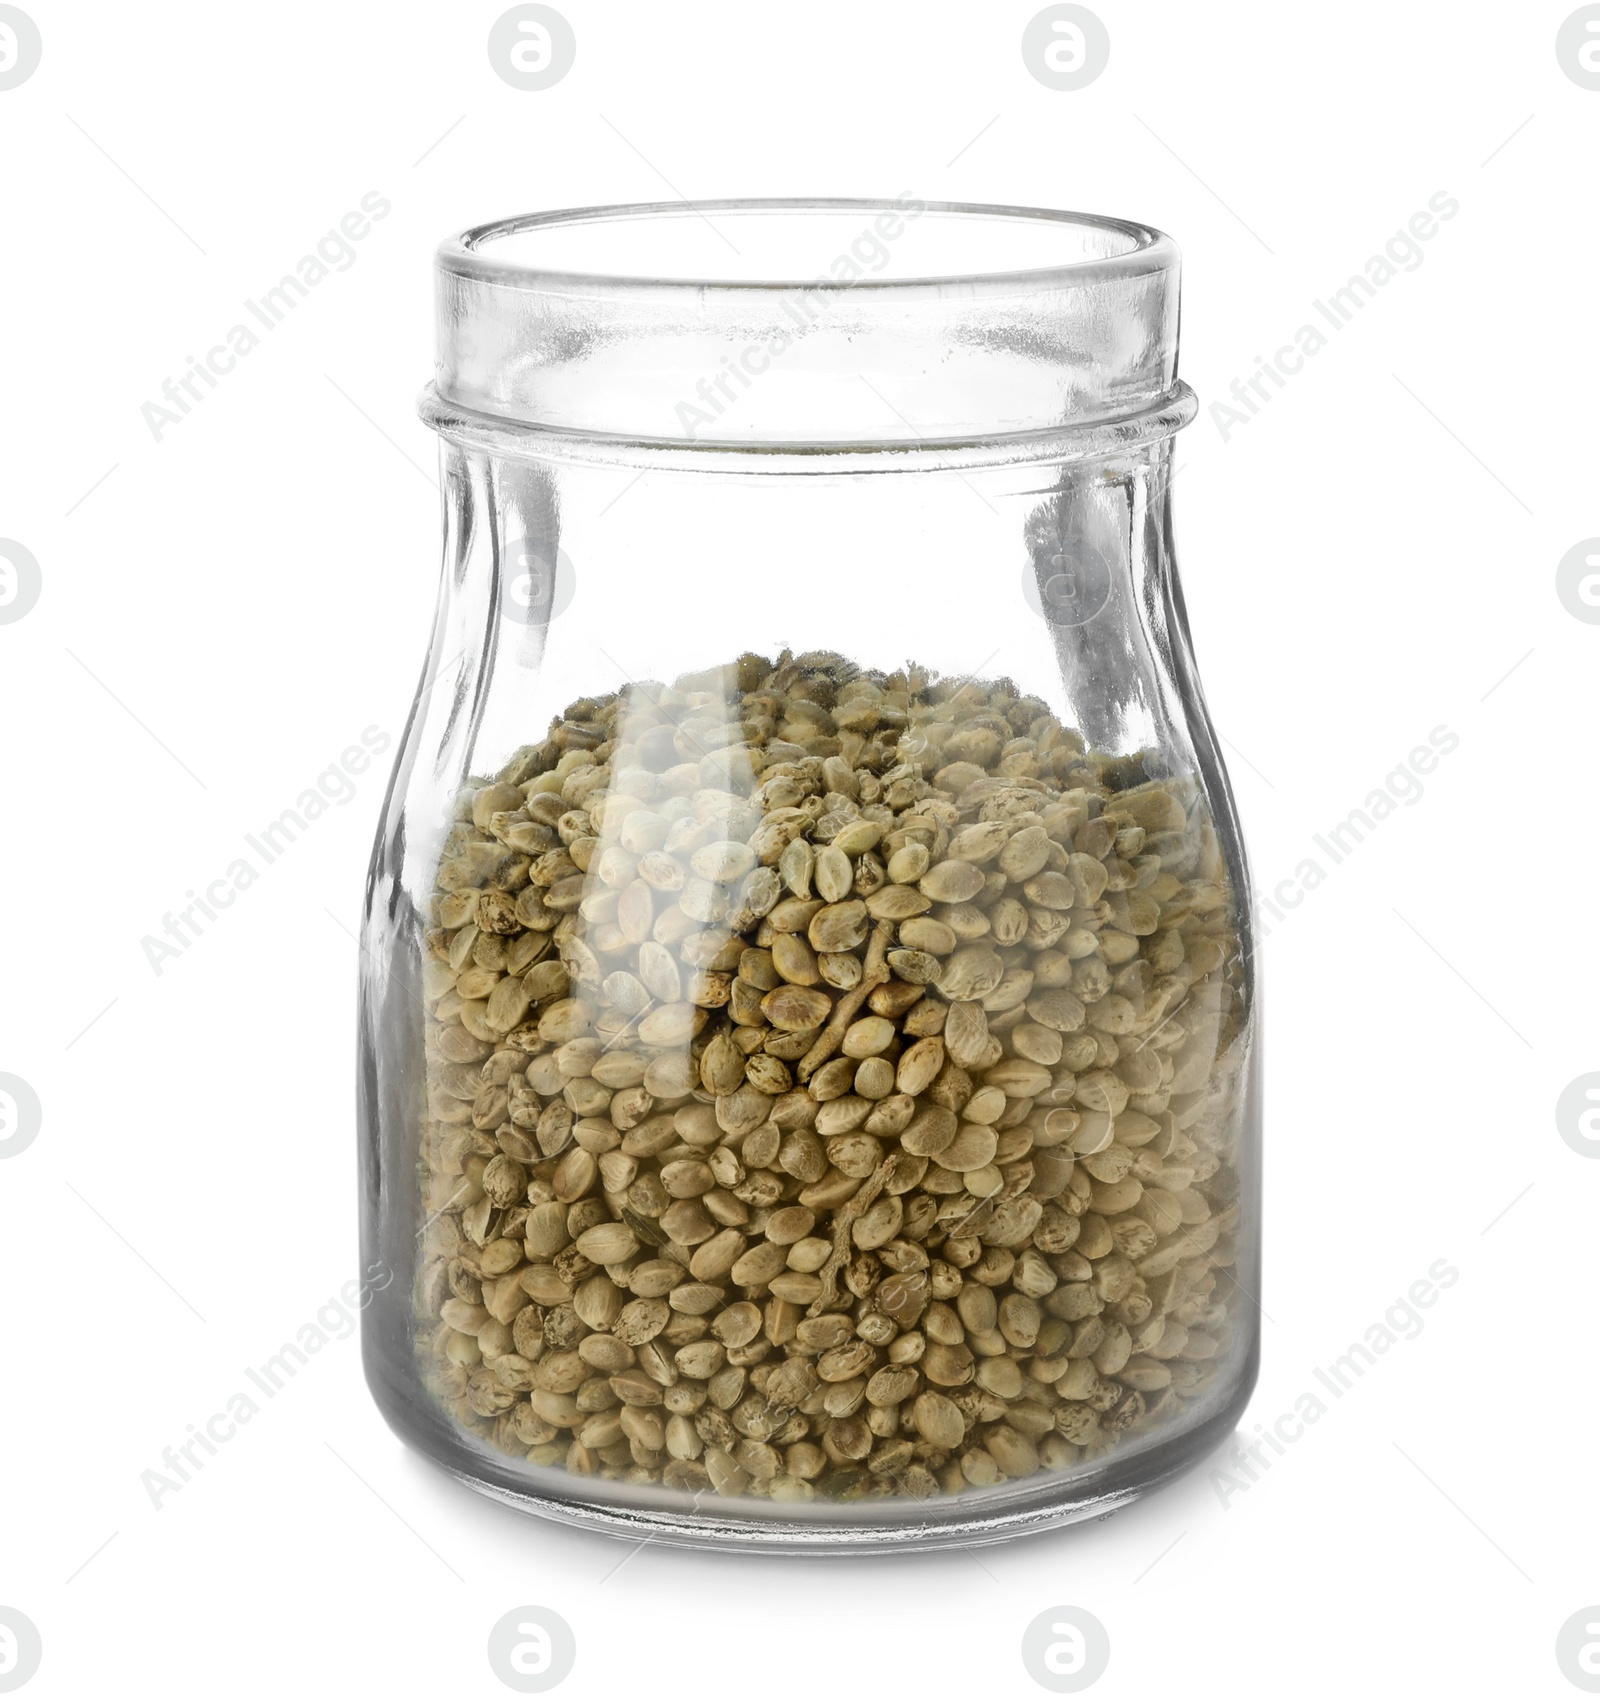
(803, 244)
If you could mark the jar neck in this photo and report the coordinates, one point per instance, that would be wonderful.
(850, 328)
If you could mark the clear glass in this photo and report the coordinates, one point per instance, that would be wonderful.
(808, 1071)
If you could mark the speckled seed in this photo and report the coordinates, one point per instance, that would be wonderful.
(840, 925)
(933, 1129)
(874, 1078)
(795, 1008)
(915, 966)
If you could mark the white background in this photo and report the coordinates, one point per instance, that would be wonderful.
(1372, 556)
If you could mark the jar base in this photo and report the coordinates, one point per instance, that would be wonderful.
(843, 1530)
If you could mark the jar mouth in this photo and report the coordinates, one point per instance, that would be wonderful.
(807, 325)
(829, 244)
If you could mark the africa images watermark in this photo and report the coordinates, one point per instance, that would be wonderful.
(335, 787)
(335, 1320)
(334, 252)
(1402, 786)
(1402, 252)
(867, 254)
(1249, 1459)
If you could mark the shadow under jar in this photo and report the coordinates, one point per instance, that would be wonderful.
(808, 1044)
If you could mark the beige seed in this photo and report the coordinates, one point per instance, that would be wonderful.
(670, 1025)
(1019, 1320)
(846, 1361)
(795, 867)
(738, 1324)
(1025, 853)
(985, 1106)
(655, 1279)
(789, 1225)
(870, 1036)
(966, 1033)
(948, 1364)
(938, 1420)
(597, 1302)
(878, 1224)
(609, 1242)
(793, 914)
(722, 1065)
(903, 1296)
(908, 863)
(951, 881)
(723, 862)
(858, 837)
(1057, 1010)
(700, 1360)
(977, 1308)
(897, 902)
(1015, 1455)
(806, 1255)
(919, 1065)
(799, 1286)
(1018, 1078)
(970, 973)
(833, 874)
(759, 1265)
(1000, 1375)
(1037, 1043)
(973, 1147)
(695, 1298)
(715, 1258)
(891, 1386)
(930, 936)
(687, 1178)
(978, 843)
(1089, 878)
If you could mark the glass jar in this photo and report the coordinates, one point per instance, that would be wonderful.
(808, 1043)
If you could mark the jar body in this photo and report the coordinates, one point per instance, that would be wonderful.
(919, 1172)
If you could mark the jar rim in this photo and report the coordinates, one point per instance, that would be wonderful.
(469, 253)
